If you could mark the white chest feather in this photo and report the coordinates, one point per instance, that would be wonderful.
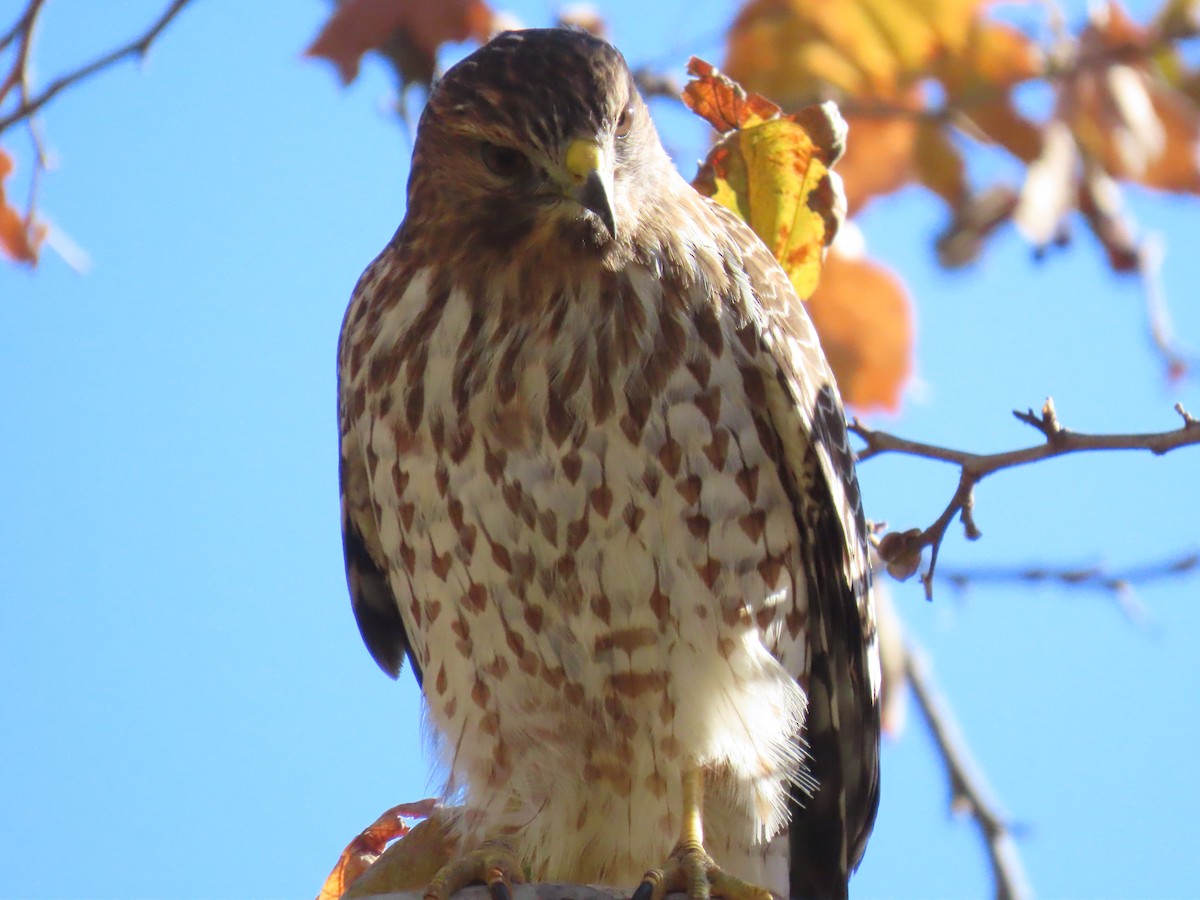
(596, 563)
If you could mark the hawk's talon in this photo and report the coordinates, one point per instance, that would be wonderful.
(653, 886)
(691, 869)
(493, 863)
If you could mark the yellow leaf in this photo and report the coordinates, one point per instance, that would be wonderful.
(877, 55)
(773, 172)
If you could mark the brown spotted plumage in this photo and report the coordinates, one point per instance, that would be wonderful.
(597, 488)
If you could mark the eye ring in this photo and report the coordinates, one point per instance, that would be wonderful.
(624, 122)
(507, 162)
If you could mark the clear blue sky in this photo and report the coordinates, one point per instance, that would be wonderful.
(185, 705)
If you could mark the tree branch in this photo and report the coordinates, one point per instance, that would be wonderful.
(968, 792)
(901, 551)
(30, 105)
(1119, 585)
(1158, 316)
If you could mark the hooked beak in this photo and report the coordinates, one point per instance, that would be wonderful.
(592, 180)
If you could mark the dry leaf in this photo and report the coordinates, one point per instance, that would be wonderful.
(772, 170)
(722, 102)
(864, 317)
(367, 847)
(975, 219)
(1048, 194)
(875, 55)
(1100, 202)
(1124, 115)
(411, 31)
(411, 863)
(879, 157)
(20, 236)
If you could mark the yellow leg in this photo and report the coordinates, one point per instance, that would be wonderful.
(689, 867)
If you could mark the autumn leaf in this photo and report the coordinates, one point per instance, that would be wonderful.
(410, 863)
(411, 32)
(20, 236)
(975, 220)
(864, 317)
(367, 847)
(723, 103)
(877, 57)
(797, 51)
(774, 171)
(1121, 113)
(880, 156)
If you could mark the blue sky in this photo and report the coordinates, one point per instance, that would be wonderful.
(187, 709)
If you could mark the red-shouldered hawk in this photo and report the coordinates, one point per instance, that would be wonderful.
(596, 485)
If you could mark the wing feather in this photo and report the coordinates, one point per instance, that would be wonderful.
(375, 606)
(829, 828)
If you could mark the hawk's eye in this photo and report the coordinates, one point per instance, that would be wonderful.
(504, 161)
(624, 121)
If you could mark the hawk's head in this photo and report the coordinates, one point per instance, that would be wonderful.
(536, 144)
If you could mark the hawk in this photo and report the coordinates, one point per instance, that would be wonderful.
(597, 489)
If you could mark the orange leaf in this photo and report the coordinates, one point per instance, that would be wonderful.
(795, 50)
(366, 848)
(864, 318)
(879, 157)
(875, 55)
(1125, 115)
(722, 102)
(410, 863)
(20, 236)
(413, 29)
(774, 172)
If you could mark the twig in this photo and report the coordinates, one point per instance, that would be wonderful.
(22, 28)
(968, 792)
(137, 47)
(1158, 316)
(1119, 585)
(902, 550)
(21, 25)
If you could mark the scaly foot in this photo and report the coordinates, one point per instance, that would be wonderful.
(492, 863)
(690, 869)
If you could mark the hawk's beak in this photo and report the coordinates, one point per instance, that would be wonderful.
(592, 180)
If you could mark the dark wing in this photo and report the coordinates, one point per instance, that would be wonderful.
(829, 829)
(371, 597)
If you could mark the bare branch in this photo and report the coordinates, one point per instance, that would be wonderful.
(968, 792)
(23, 28)
(137, 47)
(1119, 585)
(901, 550)
(1158, 316)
